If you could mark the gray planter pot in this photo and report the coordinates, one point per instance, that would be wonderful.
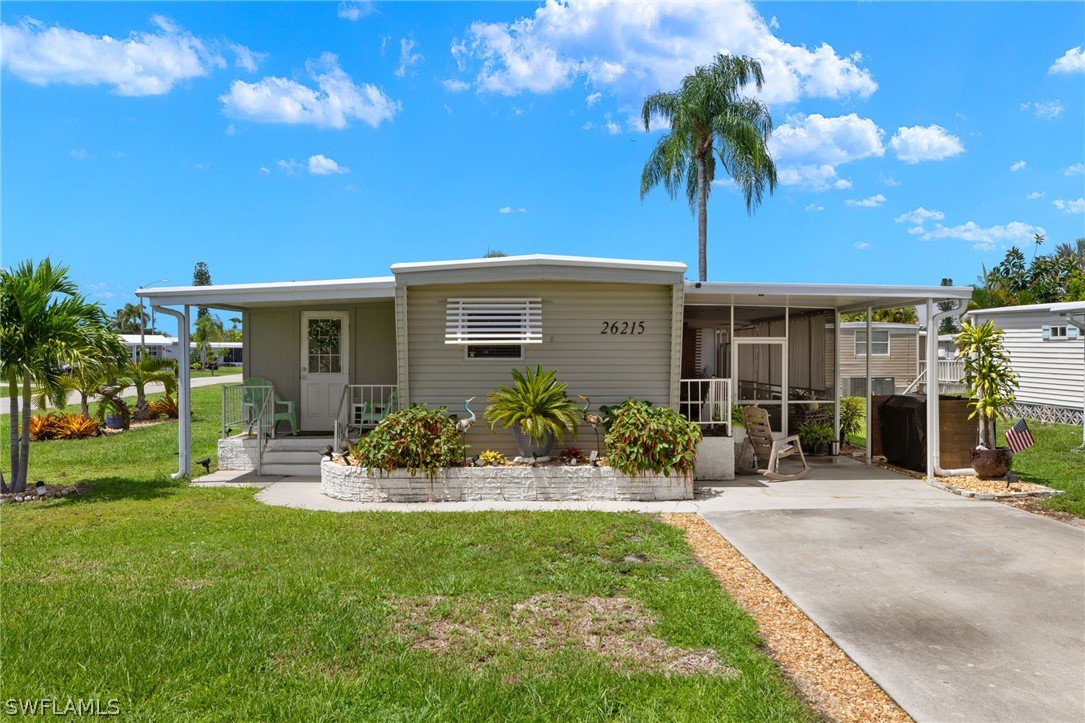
(992, 463)
(527, 447)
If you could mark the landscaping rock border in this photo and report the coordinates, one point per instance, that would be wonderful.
(1046, 492)
(514, 484)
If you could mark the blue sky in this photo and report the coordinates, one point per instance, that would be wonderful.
(324, 140)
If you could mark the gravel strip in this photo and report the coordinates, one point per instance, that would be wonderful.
(827, 679)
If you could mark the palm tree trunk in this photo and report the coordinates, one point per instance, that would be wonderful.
(24, 452)
(84, 406)
(13, 418)
(702, 220)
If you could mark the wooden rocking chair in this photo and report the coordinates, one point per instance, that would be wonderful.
(769, 451)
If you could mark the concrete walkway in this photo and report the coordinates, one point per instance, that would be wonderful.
(153, 388)
(962, 610)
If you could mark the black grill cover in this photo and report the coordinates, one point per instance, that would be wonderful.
(902, 421)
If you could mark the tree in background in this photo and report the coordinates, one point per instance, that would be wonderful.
(126, 320)
(201, 276)
(208, 330)
(710, 118)
(896, 315)
(494, 254)
(1049, 279)
(44, 323)
(234, 332)
(949, 324)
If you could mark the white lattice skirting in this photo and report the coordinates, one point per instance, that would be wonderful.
(1049, 413)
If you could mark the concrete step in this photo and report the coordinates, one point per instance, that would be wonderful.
(291, 470)
(292, 456)
(298, 443)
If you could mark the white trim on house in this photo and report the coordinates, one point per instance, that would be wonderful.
(580, 262)
(241, 296)
(874, 332)
(845, 297)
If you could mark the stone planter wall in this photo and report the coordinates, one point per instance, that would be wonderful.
(237, 453)
(463, 484)
(715, 459)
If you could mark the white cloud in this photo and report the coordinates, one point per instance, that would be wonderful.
(613, 128)
(636, 49)
(587, 126)
(231, 130)
(148, 63)
(1073, 206)
(321, 165)
(407, 56)
(351, 10)
(920, 216)
(774, 24)
(335, 101)
(869, 202)
(807, 149)
(521, 210)
(289, 167)
(1047, 109)
(986, 238)
(813, 208)
(862, 245)
(264, 170)
(1072, 61)
(593, 99)
(1034, 195)
(925, 143)
(79, 154)
(1075, 169)
(455, 86)
(505, 209)
(448, 108)
(245, 58)
(1018, 166)
(888, 180)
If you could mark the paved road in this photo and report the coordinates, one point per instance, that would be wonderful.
(153, 388)
(961, 613)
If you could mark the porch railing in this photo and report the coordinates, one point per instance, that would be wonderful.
(706, 402)
(248, 409)
(949, 376)
(362, 407)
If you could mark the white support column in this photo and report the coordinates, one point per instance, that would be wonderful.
(836, 374)
(184, 394)
(869, 391)
(932, 394)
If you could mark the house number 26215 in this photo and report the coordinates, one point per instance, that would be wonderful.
(623, 327)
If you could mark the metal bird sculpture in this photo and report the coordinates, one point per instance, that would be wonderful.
(591, 418)
(206, 462)
(464, 424)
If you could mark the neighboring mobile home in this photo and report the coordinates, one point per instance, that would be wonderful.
(1047, 351)
(229, 352)
(894, 357)
(346, 351)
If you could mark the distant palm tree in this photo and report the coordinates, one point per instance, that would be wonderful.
(126, 319)
(710, 118)
(1075, 251)
(146, 371)
(44, 321)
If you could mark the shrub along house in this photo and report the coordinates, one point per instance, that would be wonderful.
(347, 351)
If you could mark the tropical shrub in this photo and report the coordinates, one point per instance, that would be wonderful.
(852, 412)
(991, 380)
(62, 426)
(536, 403)
(416, 439)
(164, 407)
(642, 438)
(43, 426)
(492, 457)
(816, 436)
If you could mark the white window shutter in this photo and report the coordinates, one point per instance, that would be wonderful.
(493, 321)
(1071, 332)
(1046, 330)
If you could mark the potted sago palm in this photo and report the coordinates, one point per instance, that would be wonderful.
(992, 384)
(536, 409)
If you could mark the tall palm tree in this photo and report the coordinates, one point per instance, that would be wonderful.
(43, 321)
(1075, 251)
(146, 371)
(711, 119)
(90, 368)
(126, 319)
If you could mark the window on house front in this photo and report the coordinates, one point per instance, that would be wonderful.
(483, 324)
(1058, 332)
(879, 343)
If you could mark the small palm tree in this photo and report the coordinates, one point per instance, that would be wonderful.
(147, 371)
(709, 119)
(991, 380)
(536, 404)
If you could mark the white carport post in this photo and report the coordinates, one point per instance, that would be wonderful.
(932, 389)
(184, 393)
(869, 391)
(836, 377)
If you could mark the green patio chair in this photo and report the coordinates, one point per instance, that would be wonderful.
(254, 400)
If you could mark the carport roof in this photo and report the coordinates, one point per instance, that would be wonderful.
(845, 297)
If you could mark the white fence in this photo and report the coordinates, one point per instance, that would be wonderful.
(363, 406)
(950, 375)
(706, 401)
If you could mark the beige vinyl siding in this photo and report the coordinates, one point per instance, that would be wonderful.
(273, 345)
(1049, 372)
(900, 364)
(609, 368)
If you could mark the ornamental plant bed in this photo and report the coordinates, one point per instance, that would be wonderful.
(971, 485)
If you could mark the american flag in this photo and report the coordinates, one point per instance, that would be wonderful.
(1018, 437)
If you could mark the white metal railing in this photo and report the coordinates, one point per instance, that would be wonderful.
(949, 376)
(363, 406)
(249, 409)
(706, 401)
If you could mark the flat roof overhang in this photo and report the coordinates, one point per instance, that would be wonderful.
(845, 297)
(239, 297)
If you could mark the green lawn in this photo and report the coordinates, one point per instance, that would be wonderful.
(220, 372)
(187, 603)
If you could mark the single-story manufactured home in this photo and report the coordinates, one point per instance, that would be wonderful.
(1047, 351)
(894, 357)
(345, 351)
(229, 353)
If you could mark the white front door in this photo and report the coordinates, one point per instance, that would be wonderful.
(325, 345)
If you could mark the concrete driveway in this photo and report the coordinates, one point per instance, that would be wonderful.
(961, 612)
